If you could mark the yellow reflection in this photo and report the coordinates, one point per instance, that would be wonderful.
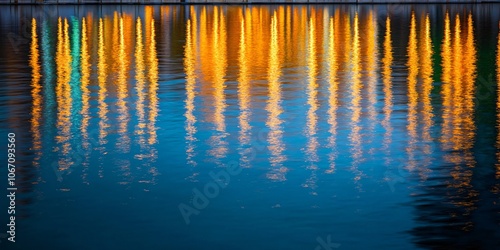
(498, 105)
(63, 91)
(101, 77)
(413, 62)
(153, 83)
(312, 92)
(426, 54)
(354, 136)
(36, 111)
(140, 81)
(426, 75)
(446, 87)
(333, 96)
(189, 68)
(85, 64)
(122, 91)
(274, 109)
(244, 93)
(219, 67)
(372, 56)
(387, 80)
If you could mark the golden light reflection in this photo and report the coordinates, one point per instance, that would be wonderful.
(153, 83)
(459, 73)
(85, 68)
(140, 82)
(101, 77)
(312, 102)
(426, 71)
(372, 57)
(219, 71)
(63, 92)
(244, 92)
(498, 106)
(123, 143)
(387, 80)
(274, 109)
(36, 111)
(469, 78)
(413, 65)
(446, 87)
(333, 96)
(355, 136)
(189, 68)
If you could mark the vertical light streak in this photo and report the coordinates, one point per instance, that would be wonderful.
(372, 67)
(63, 90)
(189, 68)
(447, 86)
(85, 71)
(498, 106)
(387, 80)
(274, 109)
(426, 54)
(101, 78)
(333, 96)
(153, 84)
(85, 68)
(469, 78)
(140, 81)
(123, 143)
(413, 65)
(244, 93)
(354, 136)
(36, 111)
(312, 102)
(220, 63)
(458, 109)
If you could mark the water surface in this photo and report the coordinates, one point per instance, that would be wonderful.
(369, 127)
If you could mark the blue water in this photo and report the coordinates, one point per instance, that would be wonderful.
(252, 127)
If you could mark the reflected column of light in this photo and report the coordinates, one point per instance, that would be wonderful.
(372, 54)
(123, 143)
(85, 71)
(153, 84)
(274, 109)
(387, 80)
(426, 54)
(469, 71)
(219, 47)
(458, 114)
(413, 65)
(447, 86)
(75, 81)
(312, 102)
(354, 136)
(498, 106)
(48, 92)
(463, 124)
(189, 68)
(140, 81)
(244, 96)
(36, 111)
(458, 93)
(333, 97)
(63, 90)
(102, 94)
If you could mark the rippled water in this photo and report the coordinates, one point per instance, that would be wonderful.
(253, 127)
